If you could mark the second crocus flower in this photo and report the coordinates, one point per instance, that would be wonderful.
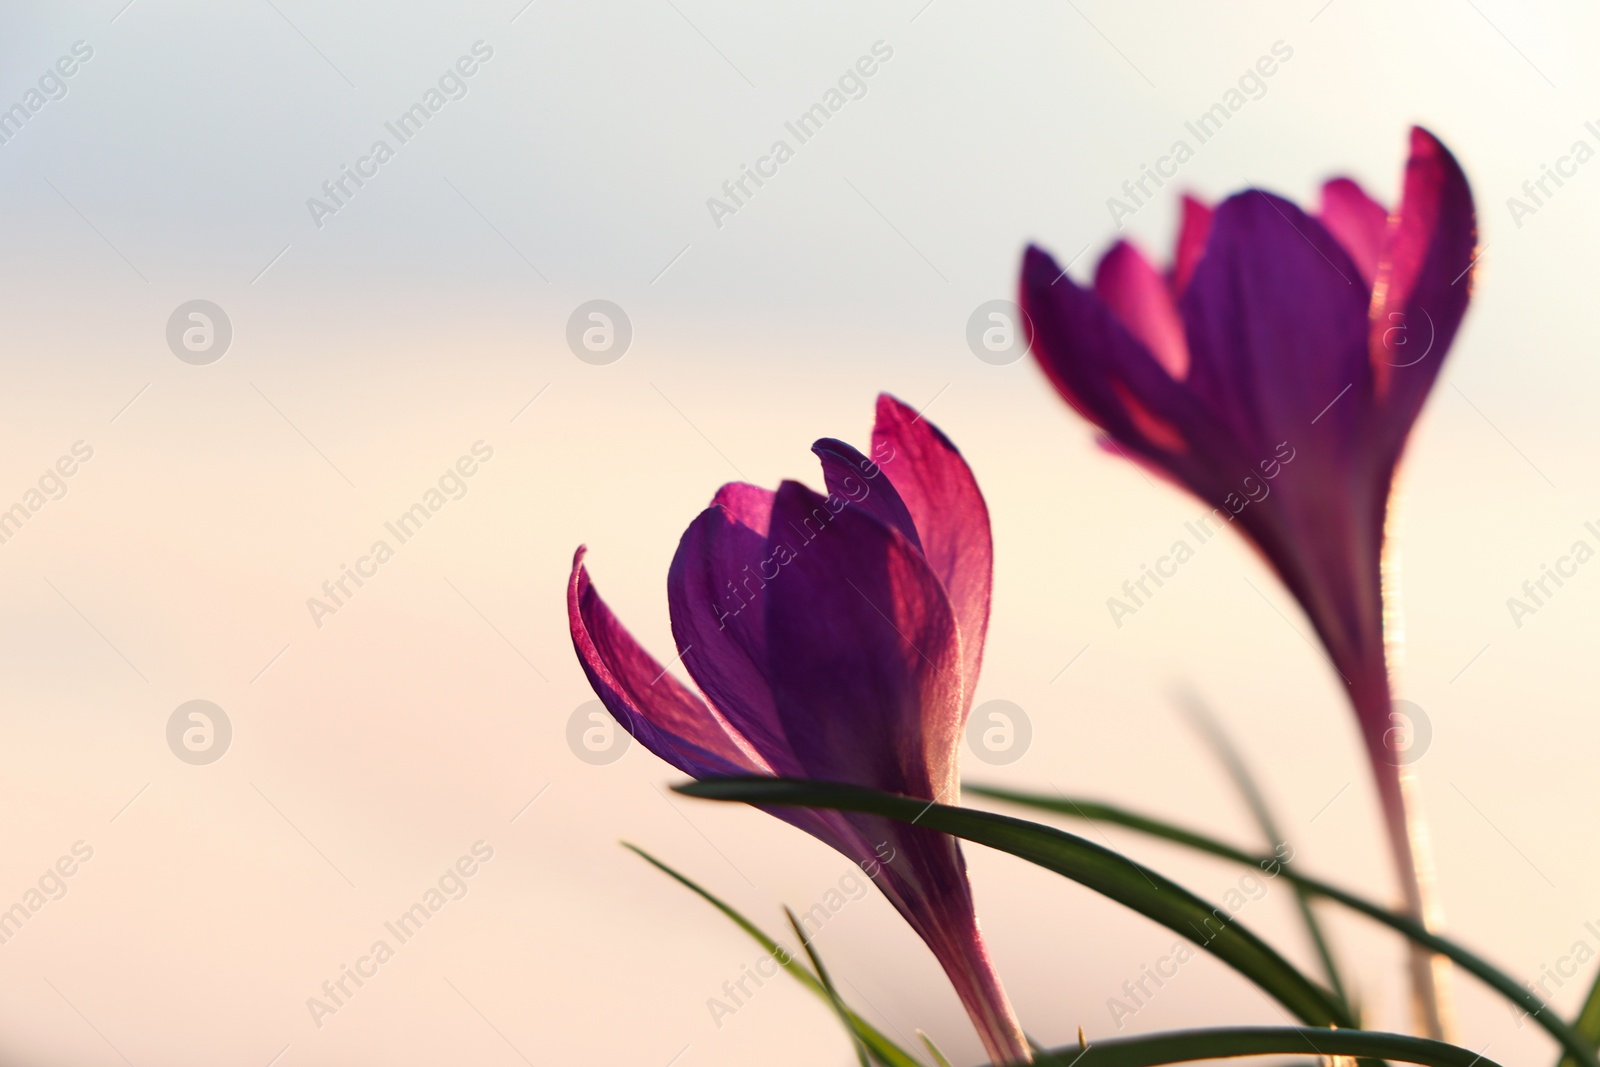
(1275, 371)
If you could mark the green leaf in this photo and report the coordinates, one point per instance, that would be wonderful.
(1588, 1022)
(1100, 869)
(1179, 1046)
(939, 1058)
(827, 984)
(1577, 1043)
(1232, 761)
(883, 1050)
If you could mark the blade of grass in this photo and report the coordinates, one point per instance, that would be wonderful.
(939, 1058)
(827, 985)
(1100, 869)
(1576, 1042)
(1588, 1021)
(1227, 753)
(1180, 1046)
(882, 1047)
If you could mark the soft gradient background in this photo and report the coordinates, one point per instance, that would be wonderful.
(369, 753)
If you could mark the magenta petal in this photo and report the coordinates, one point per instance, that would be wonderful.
(1277, 322)
(864, 655)
(666, 717)
(851, 476)
(1424, 281)
(952, 520)
(866, 671)
(716, 594)
(746, 504)
(1133, 289)
(1357, 221)
(654, 707)
(1196, 229)
(1098, 366)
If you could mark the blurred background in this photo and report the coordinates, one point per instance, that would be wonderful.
(349, 352)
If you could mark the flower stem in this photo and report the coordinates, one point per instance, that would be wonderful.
(966, 961)
(1390, 738)
(1433, 998)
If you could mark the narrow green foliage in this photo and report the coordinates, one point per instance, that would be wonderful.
(1588, 1022)
(883, 1050)
(1579, 1045)
(1145, 891)
(939, 1058)
(1245, 782)
(1181, 1046)
(827, 984)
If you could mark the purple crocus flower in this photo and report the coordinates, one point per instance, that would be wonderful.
(835, 638)
(1275, 371)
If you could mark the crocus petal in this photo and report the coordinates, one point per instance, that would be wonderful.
(1196, 228)
(952, 520)
(864, 655)
(673, 722)
(1277, 323)
(1097, 365)
(1133, 289)
(851, 476)
(716, 593)
(1424, 281)
(651, 705)
(866, 672)
(1357, 221)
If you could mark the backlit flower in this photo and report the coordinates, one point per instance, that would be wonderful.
(836, 638)
(1275, 371)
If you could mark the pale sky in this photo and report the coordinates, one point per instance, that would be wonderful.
(426, 320)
